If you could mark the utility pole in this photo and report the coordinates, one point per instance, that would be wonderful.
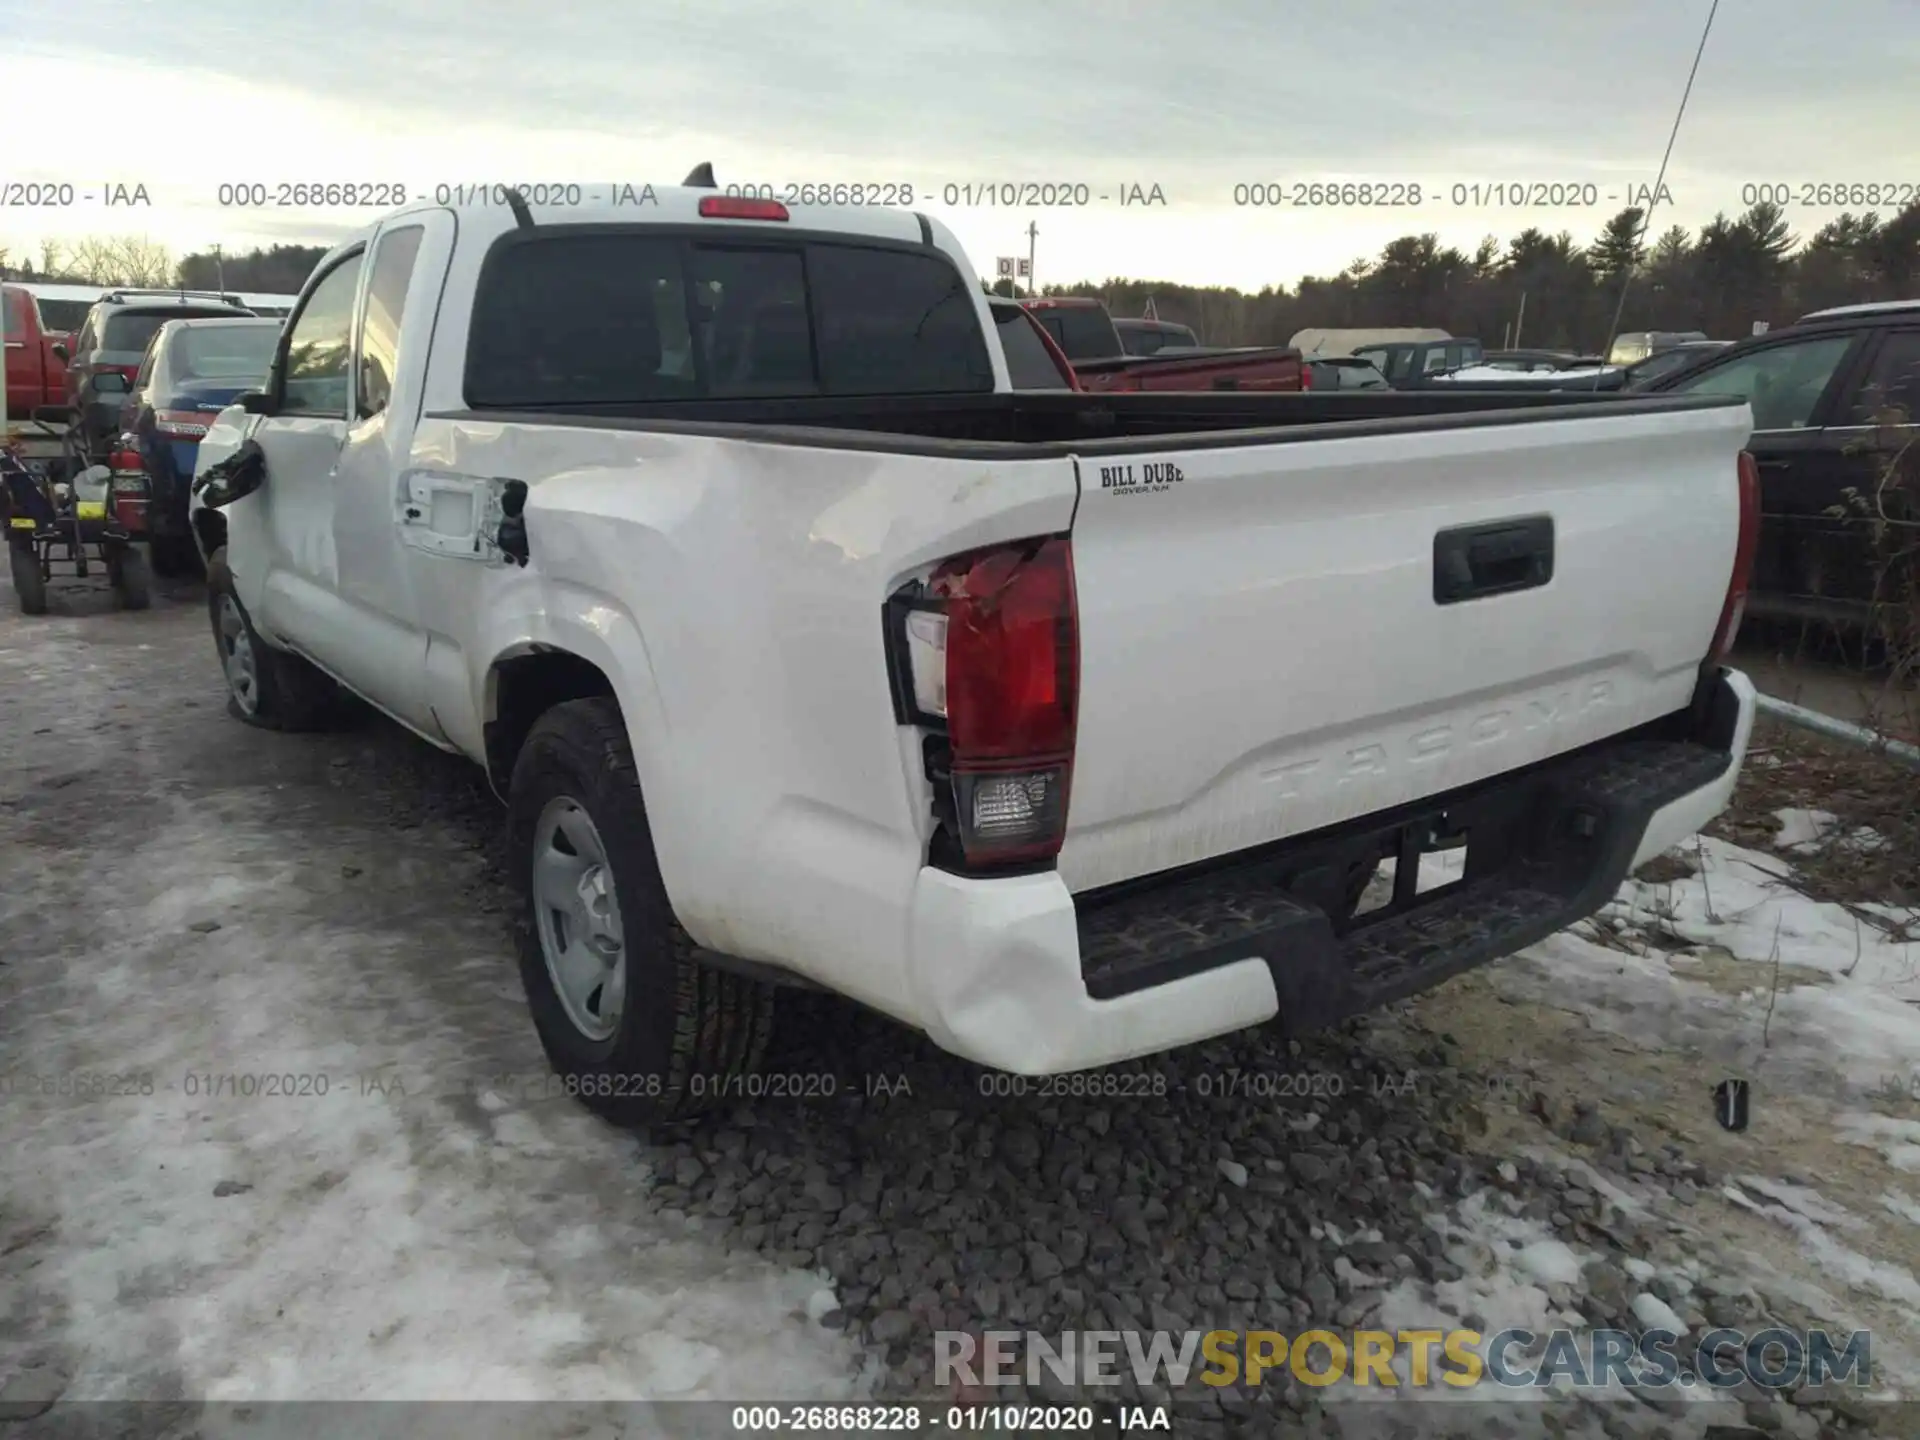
(1033, 231)
(220, 271)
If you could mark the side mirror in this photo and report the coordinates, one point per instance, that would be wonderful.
(110, 382)
(233, 478)
(60, 352)
(255, 402)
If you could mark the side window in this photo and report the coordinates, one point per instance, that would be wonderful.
(84, 343)
(147, 362)
(314, 381)
(1782, 383)
(1892, 392)
(16, 318)
(1436, 359)
(387, 285)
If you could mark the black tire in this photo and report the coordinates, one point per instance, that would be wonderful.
(687, 1029)
(29, 584)
(175, 557)
(132, 584)
(288, 694)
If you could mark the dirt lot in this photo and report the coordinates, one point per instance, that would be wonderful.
(276, 1127)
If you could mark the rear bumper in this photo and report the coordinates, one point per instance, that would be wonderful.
(1017, 974)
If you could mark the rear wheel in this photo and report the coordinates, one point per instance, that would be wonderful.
(29, 581)
(265, 686)
(638, 1029)
(127, 569)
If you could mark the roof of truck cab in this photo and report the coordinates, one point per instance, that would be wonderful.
(668, 205)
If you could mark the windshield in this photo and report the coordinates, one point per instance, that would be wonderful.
(224, 352)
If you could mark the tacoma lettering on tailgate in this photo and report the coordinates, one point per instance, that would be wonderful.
(1430, 742)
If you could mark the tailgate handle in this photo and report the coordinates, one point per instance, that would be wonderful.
(1474, 561)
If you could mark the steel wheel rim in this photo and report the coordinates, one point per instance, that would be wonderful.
(577, 918)
(237, 658)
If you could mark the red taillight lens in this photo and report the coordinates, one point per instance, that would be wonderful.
(128, 491)
(741, 207)
(1735, 608)
(181, 424)
(1306, 376)
(998, 655)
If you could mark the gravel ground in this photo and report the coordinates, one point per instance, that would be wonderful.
(1415, 1168)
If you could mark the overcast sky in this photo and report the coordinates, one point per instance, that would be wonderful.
(1195, 96)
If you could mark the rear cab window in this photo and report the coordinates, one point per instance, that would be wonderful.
(1082, 332)
(629, 317)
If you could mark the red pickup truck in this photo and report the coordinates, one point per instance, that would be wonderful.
(1084, 330)
(36, 371)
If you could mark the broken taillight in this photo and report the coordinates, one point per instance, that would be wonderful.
(989, 652)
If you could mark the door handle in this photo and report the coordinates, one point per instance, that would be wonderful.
(1471, 562)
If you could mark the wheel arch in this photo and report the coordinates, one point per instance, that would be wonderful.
(524, 683)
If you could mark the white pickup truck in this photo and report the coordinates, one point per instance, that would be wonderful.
(1066, 728)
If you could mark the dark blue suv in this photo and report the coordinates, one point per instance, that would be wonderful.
(192, 370)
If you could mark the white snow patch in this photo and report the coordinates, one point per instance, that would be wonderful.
(1903, 1205)
(1804, 830)
(1898, 1141)
(1808, 832)
(1852, 1269)
(1802, 1200)
(1655, 1314)
(1550, 1262)
(389, 1243)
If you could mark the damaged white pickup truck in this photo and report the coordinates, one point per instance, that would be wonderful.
(1066, 728)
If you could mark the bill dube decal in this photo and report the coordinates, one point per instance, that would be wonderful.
(1149, 478)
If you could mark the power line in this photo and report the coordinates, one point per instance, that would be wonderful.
(1626, 280)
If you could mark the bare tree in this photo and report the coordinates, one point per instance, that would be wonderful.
(110, 260)
(145, 262)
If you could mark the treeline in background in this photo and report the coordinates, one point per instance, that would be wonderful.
(138, 261)
(1734, 272)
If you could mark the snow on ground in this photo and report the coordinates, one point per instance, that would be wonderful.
(1863, 1019)
(414, 1232)
(1731, 971)
(1808, 832)
(321, 1165)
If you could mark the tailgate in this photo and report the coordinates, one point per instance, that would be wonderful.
(1263, 652)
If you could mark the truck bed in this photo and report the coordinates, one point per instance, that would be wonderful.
(1029, 424)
